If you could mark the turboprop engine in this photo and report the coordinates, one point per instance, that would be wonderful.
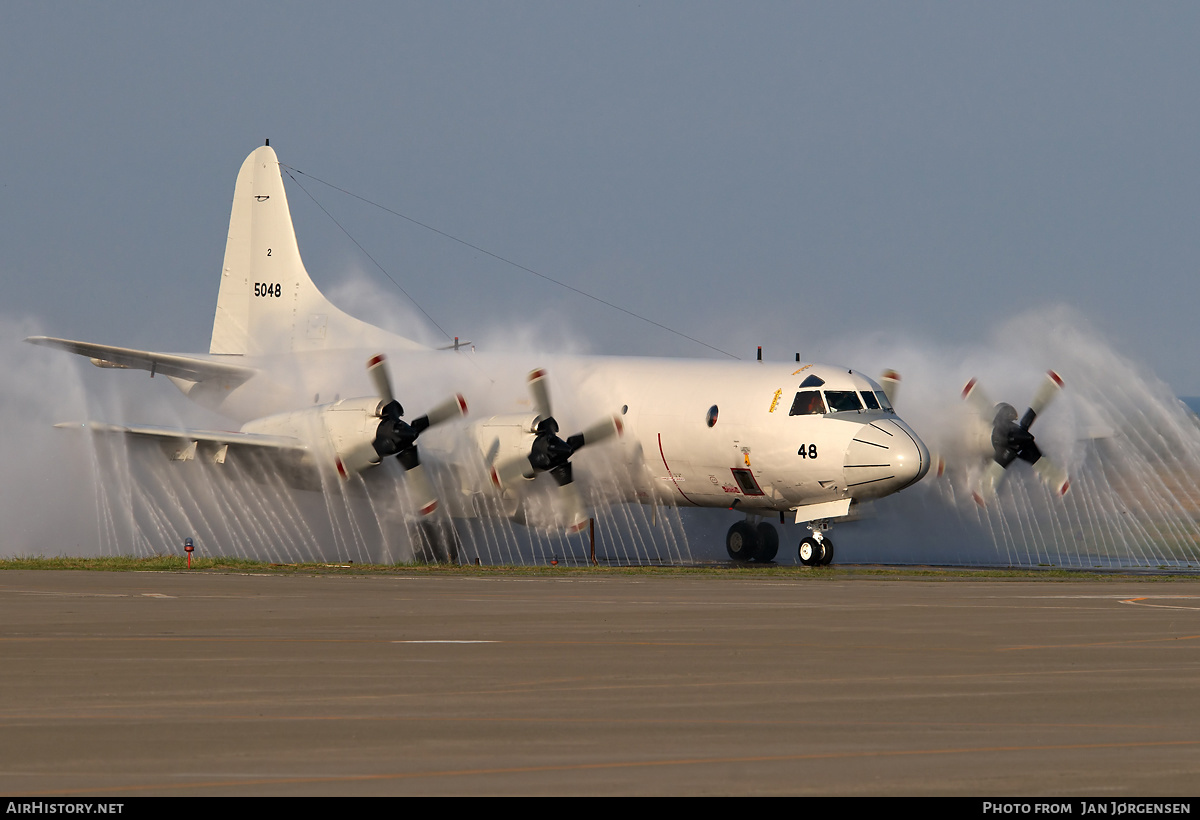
(520, 447)
(363, 431)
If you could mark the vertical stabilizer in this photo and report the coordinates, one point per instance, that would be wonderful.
(267, 302)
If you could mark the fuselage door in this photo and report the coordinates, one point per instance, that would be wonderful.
(746, 481)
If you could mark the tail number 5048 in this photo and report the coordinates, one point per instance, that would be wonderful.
(265, 289)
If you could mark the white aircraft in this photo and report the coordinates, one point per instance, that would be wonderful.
(805, 440)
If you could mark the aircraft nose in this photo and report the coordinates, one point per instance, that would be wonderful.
(884, 456)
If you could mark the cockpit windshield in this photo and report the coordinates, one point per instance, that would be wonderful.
(807, 403)
(842, 401)
(817, 402)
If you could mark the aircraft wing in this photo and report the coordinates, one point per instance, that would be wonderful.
(260, 456)
(190, 368)
(218, 437)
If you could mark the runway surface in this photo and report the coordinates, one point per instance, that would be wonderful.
(120, 684)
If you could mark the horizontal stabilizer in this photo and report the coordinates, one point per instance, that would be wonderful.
(189, 368)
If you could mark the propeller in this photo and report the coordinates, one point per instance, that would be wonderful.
(551, 454)
(395, 436)
(890, 382)
(1011, 438)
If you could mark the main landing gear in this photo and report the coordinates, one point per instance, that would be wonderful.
(748, 542)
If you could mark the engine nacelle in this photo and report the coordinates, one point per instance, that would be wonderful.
(501, 438)
(352, 425)
(347, 428)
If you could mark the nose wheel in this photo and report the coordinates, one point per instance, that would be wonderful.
(817, 549)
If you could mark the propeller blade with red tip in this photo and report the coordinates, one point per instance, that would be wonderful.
(975, 396)
(420, 490)
(1054, 476)
(377, 370)
(890, 382)
(992, 476)
(601, 430)
(452, 408)
(505, 473)
(571, 508)
(540, 389)
(1045, 394)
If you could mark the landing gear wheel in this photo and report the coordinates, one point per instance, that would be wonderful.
(741, 542)
(827, 554)
(810, 552)
(768, 543)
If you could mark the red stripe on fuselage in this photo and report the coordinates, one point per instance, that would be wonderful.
(663, 456)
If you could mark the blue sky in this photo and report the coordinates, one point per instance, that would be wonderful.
(795, 175)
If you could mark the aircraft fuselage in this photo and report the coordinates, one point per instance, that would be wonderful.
(695, 432)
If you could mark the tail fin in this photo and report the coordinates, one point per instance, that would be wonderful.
(267, 302)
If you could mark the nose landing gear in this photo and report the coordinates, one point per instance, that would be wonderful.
(817, 550)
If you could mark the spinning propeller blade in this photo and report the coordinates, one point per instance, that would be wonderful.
(452, 408)
(571, 507)
(890, 382)
(1055, 477)
(975, 396)
(541, 393)
(1045, 394)
(992, 476)
(420, 491)
(377, 370)
(598, 432)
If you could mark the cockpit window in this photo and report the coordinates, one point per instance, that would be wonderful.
(870, 400)
(813, 380)
(807, 403)
(842, 401)
(883, 401)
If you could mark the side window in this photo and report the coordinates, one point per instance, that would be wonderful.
(807, 403)
(870, 400)
(883, 401)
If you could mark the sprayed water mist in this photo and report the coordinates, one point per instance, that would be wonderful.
(1131, 448)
